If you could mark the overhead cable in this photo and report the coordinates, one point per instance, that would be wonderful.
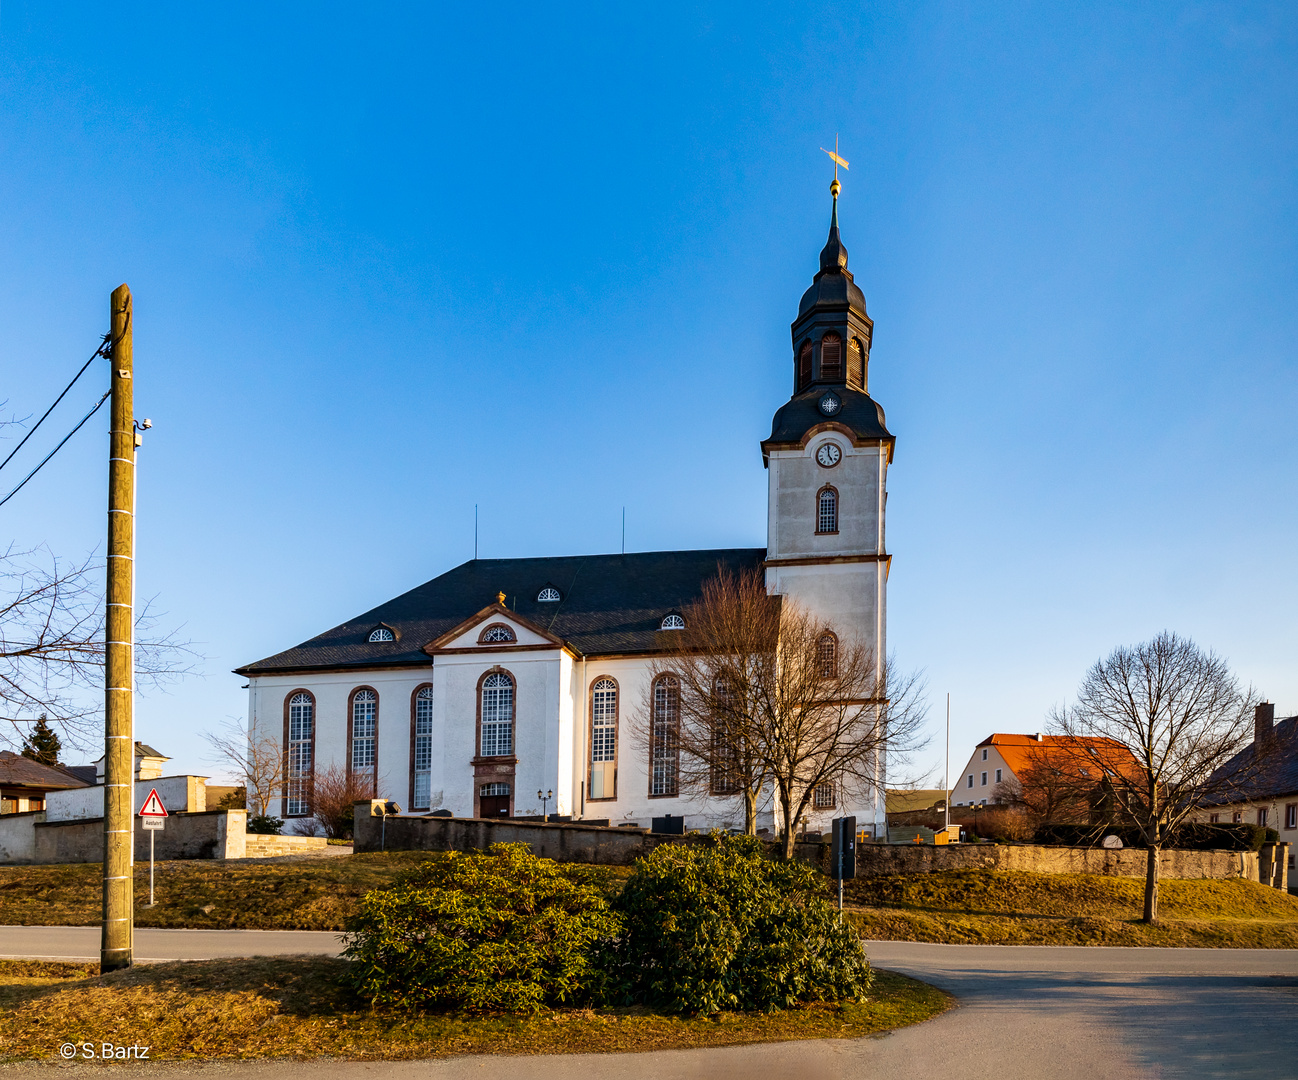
(57, 448)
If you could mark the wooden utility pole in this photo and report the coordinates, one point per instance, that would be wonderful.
(119, 683)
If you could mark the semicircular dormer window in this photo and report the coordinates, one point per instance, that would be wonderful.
(673, 622)
(548, 595)
(381, 633)
(497, 634)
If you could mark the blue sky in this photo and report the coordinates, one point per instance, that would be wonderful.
(390, 262)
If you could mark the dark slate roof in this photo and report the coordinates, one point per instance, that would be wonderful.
(18, 771)
(611, 604)
(1278, 777)
(801, 413)
(87, 774)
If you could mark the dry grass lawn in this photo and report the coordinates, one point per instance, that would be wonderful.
(292, 1007)
(1003, 908)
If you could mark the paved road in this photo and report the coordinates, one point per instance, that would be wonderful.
(1024, 1013)
(153, 946)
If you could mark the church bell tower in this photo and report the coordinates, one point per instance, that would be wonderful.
(827, 460)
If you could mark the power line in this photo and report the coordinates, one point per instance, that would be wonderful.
(101, 351)
(57, 448)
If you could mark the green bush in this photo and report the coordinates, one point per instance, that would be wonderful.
(264, 825)
(719, 926)
(500, 931)
(1192, 836)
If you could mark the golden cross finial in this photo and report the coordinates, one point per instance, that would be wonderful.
(833, 156)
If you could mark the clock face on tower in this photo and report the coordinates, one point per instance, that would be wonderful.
(828, 455)
(830, 403)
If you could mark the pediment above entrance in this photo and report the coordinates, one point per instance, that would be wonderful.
(494, 629)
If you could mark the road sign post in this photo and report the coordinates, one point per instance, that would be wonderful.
(153, 816)
(843, 853)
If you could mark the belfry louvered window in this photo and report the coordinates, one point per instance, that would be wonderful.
(831, 358)
(827, 511)
(855, 365)
(804, 366)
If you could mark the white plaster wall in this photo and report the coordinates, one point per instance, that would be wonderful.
(795, 478)
(962, 794)
(88, 802)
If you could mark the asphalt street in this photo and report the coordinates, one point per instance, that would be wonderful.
(1022, 1012)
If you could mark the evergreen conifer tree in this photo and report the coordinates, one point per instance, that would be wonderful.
(43, 743)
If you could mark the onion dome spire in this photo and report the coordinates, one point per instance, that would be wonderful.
(833, 255)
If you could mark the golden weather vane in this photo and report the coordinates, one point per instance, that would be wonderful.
(833, 156)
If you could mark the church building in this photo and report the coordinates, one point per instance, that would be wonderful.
(504, 677)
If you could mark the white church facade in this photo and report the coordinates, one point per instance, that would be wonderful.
(502, 678)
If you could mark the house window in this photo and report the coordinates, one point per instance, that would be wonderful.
(855, 365)
(1261, 815)
(548, 595)
(664, 749)
(984, 754)
(1236, 818)
(497, 715)
(423, 755)
(382, 634)
(970, 780)
(822, 798)
(1213, 819)
(673, 622)
(827, 511)
(496, 633)
(984, 780)
(1291, 816)
(827, 655)
(603, 739)
(831, 358)
(301, 747)
(365, 710)
(998, 776)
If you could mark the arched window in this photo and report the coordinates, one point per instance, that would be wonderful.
(855, 365)
(422, 755)
(497, 715)
(804, 366)
(365, 717)
(831, 358)
(548, 595)
(495, 634)
(827, 511)
(673, 622)
(725, 777)
(603, 739)
(664, 748)
(382, 633)
(827, 656)
(301, 754)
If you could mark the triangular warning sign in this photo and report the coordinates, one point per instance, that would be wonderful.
(153, 805)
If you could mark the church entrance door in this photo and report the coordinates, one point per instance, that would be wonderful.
(493, 801)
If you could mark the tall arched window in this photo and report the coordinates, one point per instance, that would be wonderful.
(603, 739)
(827, 511)
(827, 656)
(855, 365)
(422, 750)
(497, 715)
(364, 739)
(301, 754)
(725, 778)
(664, 748)
(831, 358)
(804, 366)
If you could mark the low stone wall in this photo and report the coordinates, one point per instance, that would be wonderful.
(878, 859)
(262, 846)
(214, 834)
(576, 842)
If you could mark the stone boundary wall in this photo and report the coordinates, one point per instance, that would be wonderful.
(213, 834)
(575, 842)
(266, 846)
(562, 841)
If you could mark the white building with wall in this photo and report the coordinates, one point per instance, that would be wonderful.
(505, 677)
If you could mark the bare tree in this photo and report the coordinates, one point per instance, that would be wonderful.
(258, 761)
(1062, 781)
(52, 645)
(760, 691)
(334, 792)
(1183, 716)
